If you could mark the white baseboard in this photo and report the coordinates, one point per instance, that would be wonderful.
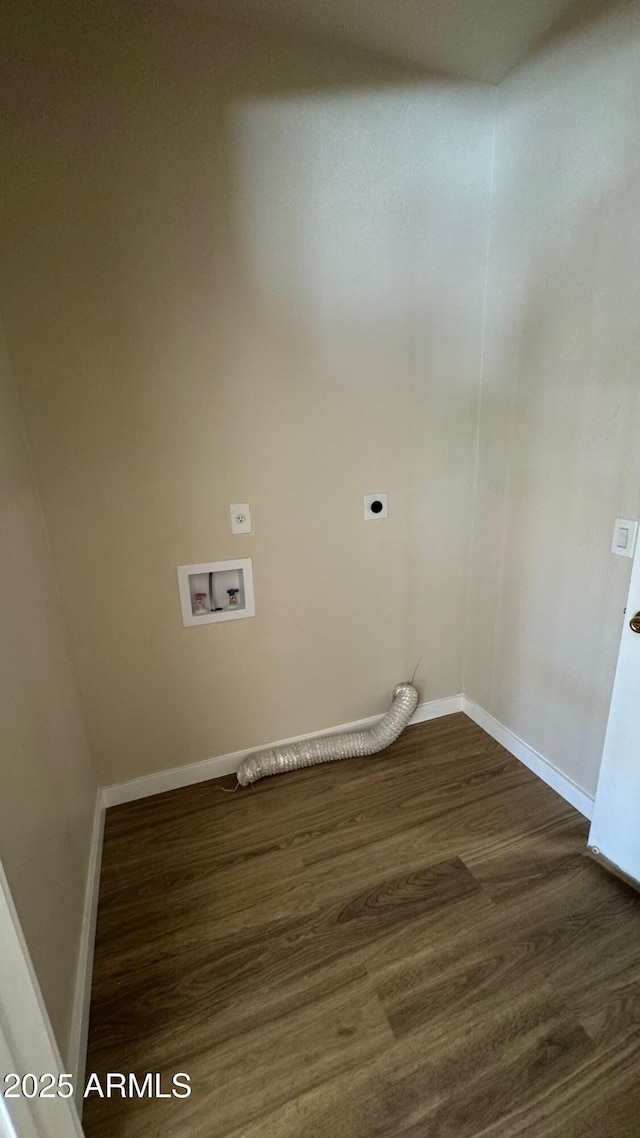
(207, 769)
(82, 996)
(436, 709)
(536, 762)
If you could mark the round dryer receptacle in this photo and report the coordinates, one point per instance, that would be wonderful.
(375, 506)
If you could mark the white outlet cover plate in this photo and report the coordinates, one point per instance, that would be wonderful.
(369, 514)
(625, 536)
(240, 518)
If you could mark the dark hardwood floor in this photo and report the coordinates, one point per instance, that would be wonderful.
(412, 945)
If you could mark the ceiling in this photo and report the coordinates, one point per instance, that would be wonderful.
(470, 39)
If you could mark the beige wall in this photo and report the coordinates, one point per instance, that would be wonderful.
(48, 787)
(559, 455)
(240, 267)
(246, 270)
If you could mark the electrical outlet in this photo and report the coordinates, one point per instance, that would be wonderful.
(375, 506)
(240, 518)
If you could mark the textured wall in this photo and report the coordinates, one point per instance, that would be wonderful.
(240, 267)
(245, 270)
(559, 454)
(48, 788)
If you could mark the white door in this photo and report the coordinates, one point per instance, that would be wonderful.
(27, 1045)
(615, 829)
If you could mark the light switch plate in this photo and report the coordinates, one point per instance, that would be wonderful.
(240, 518)
(625, 536)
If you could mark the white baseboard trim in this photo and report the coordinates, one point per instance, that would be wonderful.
(436, 709)
(207, 769)
(536, 762)
(193, 773)
(82, 996)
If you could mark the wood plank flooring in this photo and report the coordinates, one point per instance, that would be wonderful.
(412, 945)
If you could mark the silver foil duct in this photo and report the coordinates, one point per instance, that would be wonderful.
(330, 748)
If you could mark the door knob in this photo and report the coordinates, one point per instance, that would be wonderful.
(634, 623)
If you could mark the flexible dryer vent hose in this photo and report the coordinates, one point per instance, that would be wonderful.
(329, 748)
